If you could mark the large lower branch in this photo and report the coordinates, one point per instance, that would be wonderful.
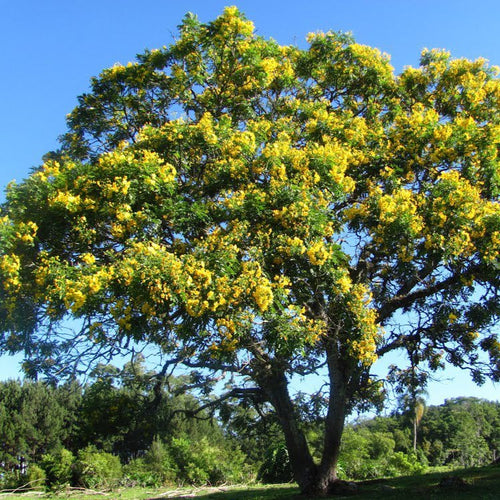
(408, 299)
(239, 392)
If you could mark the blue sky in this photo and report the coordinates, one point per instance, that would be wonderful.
(50, 49)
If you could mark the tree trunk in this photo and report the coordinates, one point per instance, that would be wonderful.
(326, 478)
(312, 479)
(415, 434)
(303, 467)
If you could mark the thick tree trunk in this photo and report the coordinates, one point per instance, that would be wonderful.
(326, 477)
(303, 466)
(312, 479)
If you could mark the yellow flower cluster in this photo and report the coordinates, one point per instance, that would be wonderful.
(26, 232)
(371, 57)
(70, 202)
(365, 350)
(231, 22)
(239, 143)
(271, 67)
(492, 252)
(363, 345)
(10, 264)
(263, 296)
(337, 158)
(48, 171)
(459, 215)
(318, 254)
(308, 331)
(206, 127)
(344, 282)
(400, 203)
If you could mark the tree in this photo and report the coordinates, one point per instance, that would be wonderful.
(123, 410)
(266, 211)
(465, 430)
(35, 420)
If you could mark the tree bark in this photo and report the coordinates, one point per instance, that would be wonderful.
(304, 469)
(312, 479)
(326, 477)
(415, 434)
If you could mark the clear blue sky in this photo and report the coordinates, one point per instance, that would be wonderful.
(51, 48)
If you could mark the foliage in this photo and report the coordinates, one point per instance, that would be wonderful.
(463, 432)
(159, 462)
(35, 418)
(208, 447)
(138, 473)
(97, 469)
(154, 469)
(252, 425)
(188, 461)
(405, 465)
(35, 477)
(369, 454)
(58, 468)
(200, 462)
(266, 211)
(116, 412)
(276, 466)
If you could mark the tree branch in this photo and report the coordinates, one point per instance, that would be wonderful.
(239, 392)
(406, 300)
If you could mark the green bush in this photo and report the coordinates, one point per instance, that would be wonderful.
(58, 468)
(190, 466)
(276, 466)
(95, 468)
(10, 479)
(159, 462)
(35, 477)
(154, 469)
(138, 473)
(405, 464)
(201, 462)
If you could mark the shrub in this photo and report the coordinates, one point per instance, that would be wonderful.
(202, 462)
(138, 473)
(154, 469)
(190, 466)
(158, 460)
(10, 479)
(58, 468)
(405, 464)
(35, 477)
(95, 468)
(276, 466)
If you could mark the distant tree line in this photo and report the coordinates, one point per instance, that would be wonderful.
(124, 425)
(462, 432)
(131, 426)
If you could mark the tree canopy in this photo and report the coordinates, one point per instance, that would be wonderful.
(267, 210)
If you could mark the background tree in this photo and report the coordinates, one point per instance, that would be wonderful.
(462, 431)
(266, 211)
(35, 419)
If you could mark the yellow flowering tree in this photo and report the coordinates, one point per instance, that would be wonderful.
(266, 211)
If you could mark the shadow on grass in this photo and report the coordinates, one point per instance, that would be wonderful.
(478, 483)
(259, 492)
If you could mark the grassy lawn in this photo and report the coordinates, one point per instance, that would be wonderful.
(480, 483)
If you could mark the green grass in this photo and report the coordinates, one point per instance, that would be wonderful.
(481, 483)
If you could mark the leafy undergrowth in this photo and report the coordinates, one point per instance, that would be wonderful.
(483, 483)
